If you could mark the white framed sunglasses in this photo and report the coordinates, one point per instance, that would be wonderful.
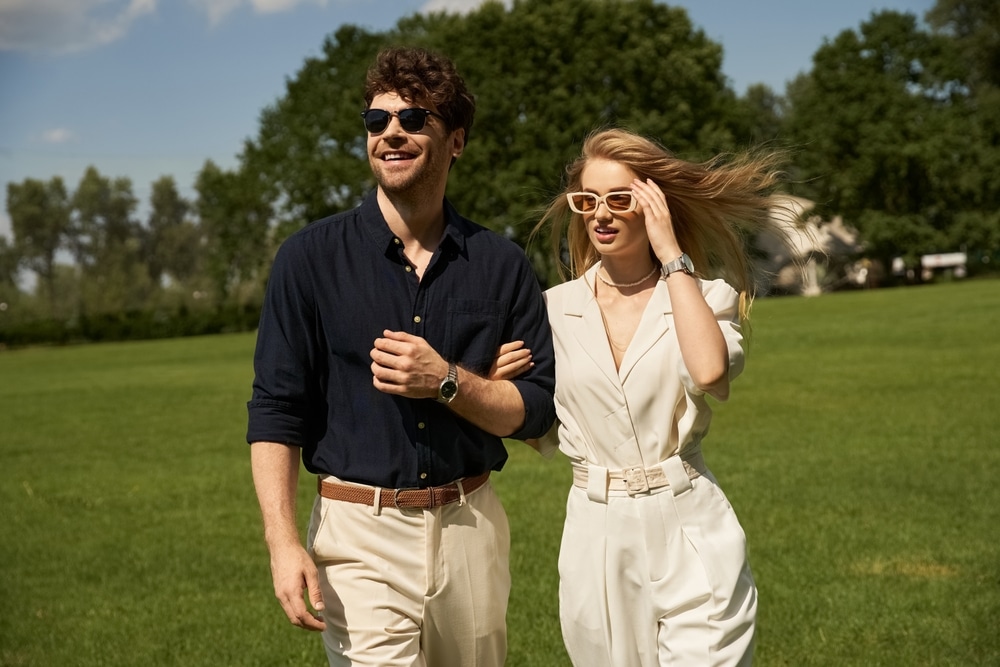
(617, 201)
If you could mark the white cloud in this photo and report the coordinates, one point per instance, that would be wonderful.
(58, 26)
(217, 10)
(58, 135)
(454, 6)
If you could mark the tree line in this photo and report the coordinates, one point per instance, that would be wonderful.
(895, 128)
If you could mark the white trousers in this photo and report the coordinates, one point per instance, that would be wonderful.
(413, 588)
(656, 580)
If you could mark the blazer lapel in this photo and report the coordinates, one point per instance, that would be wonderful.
(583, 319)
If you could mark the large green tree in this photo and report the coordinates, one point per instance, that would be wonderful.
(544, 73)
(888, 135)
(974, 27)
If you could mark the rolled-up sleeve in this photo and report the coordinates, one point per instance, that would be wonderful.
(537, 387)
(285, 357)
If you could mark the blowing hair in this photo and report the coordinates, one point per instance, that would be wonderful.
(715, 206)
(420, 76)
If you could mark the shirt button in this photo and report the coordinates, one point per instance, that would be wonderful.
(423, 475)
(416, 319)
(420, 425)
(408, 269)
(397, 241)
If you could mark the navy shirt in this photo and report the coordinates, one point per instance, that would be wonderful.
(334, 287)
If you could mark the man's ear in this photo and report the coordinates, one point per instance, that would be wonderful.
(457, 143)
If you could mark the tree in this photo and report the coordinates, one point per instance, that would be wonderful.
(9, 261)
(106, 241)
(171, 242)
(975, 26)
(759, 115)
(310, 156)
(544, 75)
(235, 216)
(39, 213)
(887, 134)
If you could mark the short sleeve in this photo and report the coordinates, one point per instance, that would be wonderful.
(725, 303)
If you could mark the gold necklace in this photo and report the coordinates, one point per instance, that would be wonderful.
(620, 285)
(607, 331)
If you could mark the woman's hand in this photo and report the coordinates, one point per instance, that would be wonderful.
(659, 223)
(512, 359)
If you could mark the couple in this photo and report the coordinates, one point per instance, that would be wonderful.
(377, 365)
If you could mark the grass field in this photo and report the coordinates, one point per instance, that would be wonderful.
(860, 449)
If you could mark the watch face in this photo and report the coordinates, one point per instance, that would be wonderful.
(448, 389)
(688, 264)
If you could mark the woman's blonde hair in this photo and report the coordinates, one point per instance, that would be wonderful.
(716, 206)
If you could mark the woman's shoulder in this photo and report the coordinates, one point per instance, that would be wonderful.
(567, 288)
(719, 294)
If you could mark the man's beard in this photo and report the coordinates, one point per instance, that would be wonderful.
(414, 184)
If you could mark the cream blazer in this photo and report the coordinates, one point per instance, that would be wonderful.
(649, 409)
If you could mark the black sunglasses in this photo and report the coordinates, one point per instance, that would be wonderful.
(411, 120)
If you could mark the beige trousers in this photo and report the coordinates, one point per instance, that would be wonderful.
(414, 588)
(656, 579)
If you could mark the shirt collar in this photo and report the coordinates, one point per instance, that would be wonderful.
(456, 228)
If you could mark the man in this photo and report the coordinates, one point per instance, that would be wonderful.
(377, 331)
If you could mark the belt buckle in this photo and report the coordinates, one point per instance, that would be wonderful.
(395, 498)
(635, 480)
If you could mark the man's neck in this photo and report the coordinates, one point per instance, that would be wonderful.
(418, 223)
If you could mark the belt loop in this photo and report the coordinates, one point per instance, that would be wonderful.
(377, 505)
(676, 474)
(461, 492)
(597, 483)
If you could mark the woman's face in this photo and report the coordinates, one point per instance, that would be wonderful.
(613, 234)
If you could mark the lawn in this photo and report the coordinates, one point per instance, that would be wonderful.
(859, 449)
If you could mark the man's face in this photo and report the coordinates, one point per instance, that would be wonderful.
(417, 162)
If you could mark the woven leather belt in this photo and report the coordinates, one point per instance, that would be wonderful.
(433, 496)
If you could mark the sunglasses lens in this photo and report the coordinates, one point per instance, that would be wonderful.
(582, 202)
(376, 120)
(412, 120)
(619, 201)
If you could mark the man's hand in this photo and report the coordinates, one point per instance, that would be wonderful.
(294, 573)
(406, 365)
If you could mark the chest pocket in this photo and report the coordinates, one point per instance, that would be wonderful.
(473, 332)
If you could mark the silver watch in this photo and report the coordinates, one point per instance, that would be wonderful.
(682, 263)
(448, 389)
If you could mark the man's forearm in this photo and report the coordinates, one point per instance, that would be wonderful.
(494, 406)
(275, 470)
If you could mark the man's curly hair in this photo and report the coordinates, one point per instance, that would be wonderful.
(421, 76)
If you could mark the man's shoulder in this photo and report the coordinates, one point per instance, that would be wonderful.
(480, 236)
(312, 236)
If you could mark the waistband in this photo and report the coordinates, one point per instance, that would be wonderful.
(675, 473)
(378, 497)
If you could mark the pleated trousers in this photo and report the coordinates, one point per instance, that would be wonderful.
(656, 579)
(413, 588)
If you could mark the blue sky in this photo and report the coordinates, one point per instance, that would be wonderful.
(146, 88)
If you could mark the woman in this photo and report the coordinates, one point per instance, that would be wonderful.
(653, 564)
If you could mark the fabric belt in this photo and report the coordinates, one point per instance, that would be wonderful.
(676, 472)
(376, 497)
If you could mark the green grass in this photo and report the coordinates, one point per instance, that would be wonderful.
(859, 449)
